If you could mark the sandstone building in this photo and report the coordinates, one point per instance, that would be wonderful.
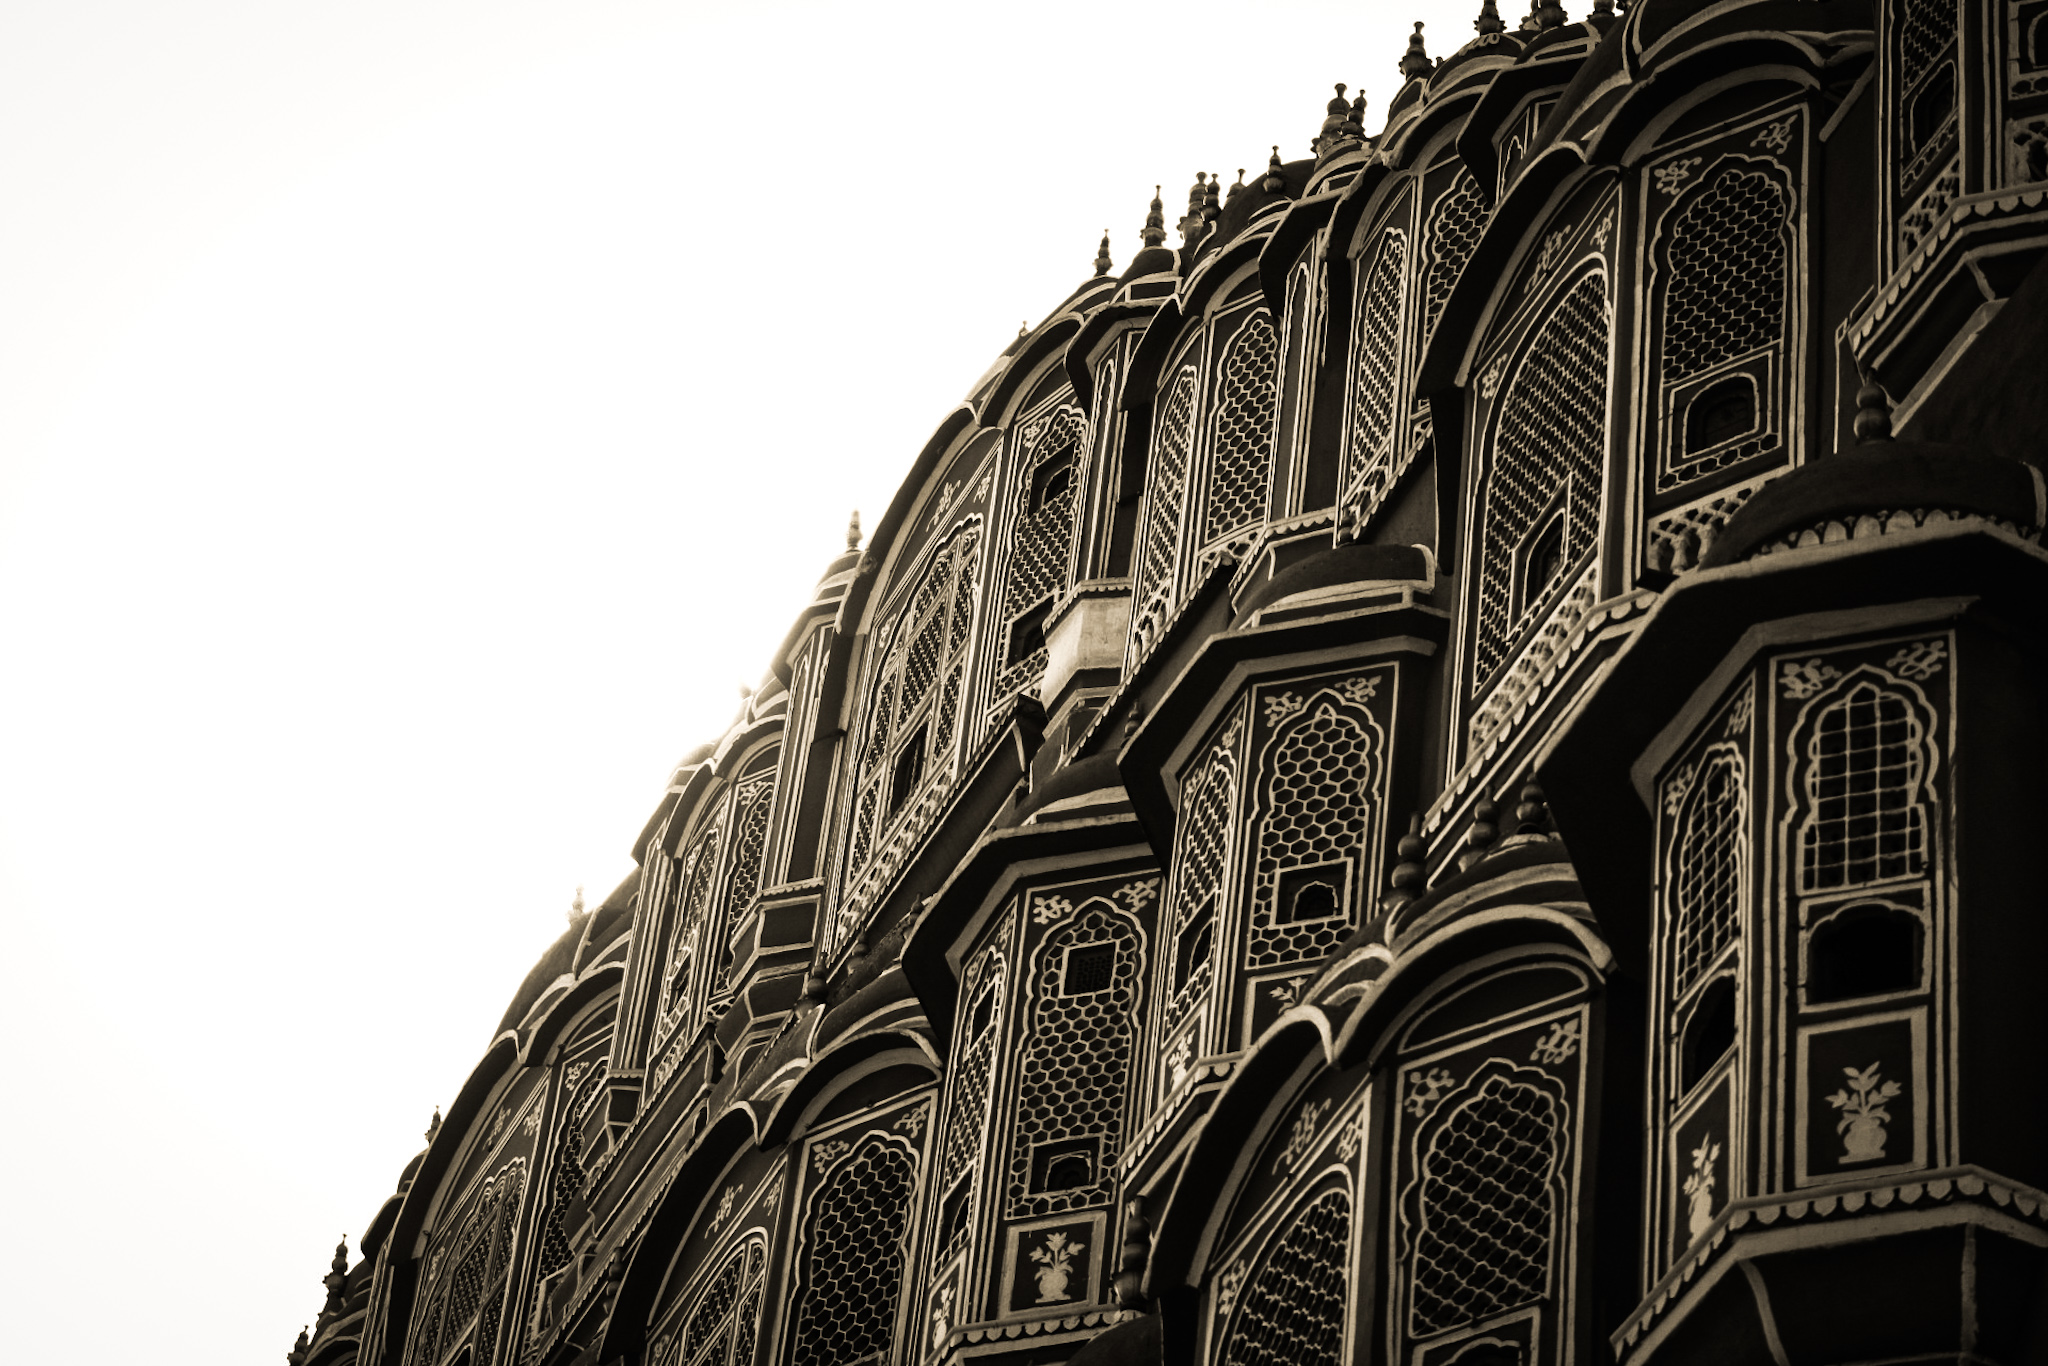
(1443, 773)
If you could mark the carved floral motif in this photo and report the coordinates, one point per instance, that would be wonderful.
(1919, 661)
(1307, 1125)
(1699, 1187)
(1801, 681)
(1559, 1045)
(1425, 1089)
(1671, 179)
(1055, 1258)
(1864, 1114)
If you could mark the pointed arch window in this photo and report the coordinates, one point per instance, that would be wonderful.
(1198, 875)
(581, 1097)
(697, 871)
(1862, 775)
(1241, 462)
(1165, 486)
(725, 1321)
(467, 1278)
(1455, 223)
(914, 700)
(1376, 332)
(1292, 1308)
(852, 1261)
(753, 803)
(1318, 776)
(1040, 544)
(1549, 450)
(1074, 1070)
(959, 1154)
(1706, 868)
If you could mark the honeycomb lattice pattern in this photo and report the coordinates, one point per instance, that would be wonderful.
(1707, 882)
(1552, 433)
(755, 802)
(1292, 1313)
(1077, 1059)
(1318, 788)
(1454, 229)
(1863, 766)
(1375, 365)
(478, 1262)
(1727, 271)
(1926, 33)
(1040, 544)
(1235, 499)
(853, 1257)
(698, 866)
(1166, 481)
(967, 1108)
(565, 1178)
(928, 641)
(721, 1327)
(1485, 1219)
(1198, 877)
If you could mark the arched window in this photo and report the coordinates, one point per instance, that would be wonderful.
(959, 1155)
(1865, 950)
(1706, 868)
(1197, 886)
(581, 1096)
(467, 1276)
(753, 802)
(726, 1318)
(1549, 448)
(851, 1267)
(915, 692)
(1165, 485)
(1725, 274)
(698, 868)
(1486, 1210)
(1709, 1032)
(1292, 1309)
(1375, 364)
(1865, 754)
(1074, 1069)
(1318, 775)
(1927, 36)
(1454, 227)
(1040, 543)
(1242, 462)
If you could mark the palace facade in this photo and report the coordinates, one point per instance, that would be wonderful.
(1445, 772)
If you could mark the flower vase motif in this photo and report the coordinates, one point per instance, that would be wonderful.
(1699, 1188)
(1864, 1115)
(1056, 1267)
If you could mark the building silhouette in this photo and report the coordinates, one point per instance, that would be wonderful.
(1444, 773)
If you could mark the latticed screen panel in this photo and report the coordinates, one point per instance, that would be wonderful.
(1292, 1313)
(1040, 544)
(1486, 1213)
(700, 864)
(1076, 1063)
(1317, 789)
(753, 802)
(1865, 822)
(565, 1179)
(1247, 400)
(1707, 868)
(1166, 482)
(1551, 439)
(1454, 227)
(853, 1258)
(975, 1036)
(1197, 888)
(725, 1319)
(1927, 30)
(1375, 363)
(469, 1280)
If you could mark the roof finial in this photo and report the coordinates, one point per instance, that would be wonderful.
(1529, 22)
(1274, 182)
(1549, 14)
(434, 1124)
(1132, 1256)
(576, 907)
(336, 1279)
(1406, 881)
(1532, 811)
(1191, 222)
(1338, 107)
(1873, 410)
(1102, 255)
(1602, 9)
(1211, 209)
(1481, 836)
(1415, 61)
(1341, 127)
(853, 531)
(297, 1355)
(1155, 222)
(1489, 20)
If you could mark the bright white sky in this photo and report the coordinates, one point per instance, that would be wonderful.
(417, 418)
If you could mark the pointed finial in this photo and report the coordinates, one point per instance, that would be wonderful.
(1482, 834)
(434, 1124)
(1238, 188)
(297, 1355)
(576, 907)
(1549, 14)
(1406, 881)
(1602, 9)
(1155, 222)
(1415, 61)
(1338, 106)
(1023, 327)
(1211, 208)
(1532, 812)
(1192, 221)
(853, 531)
(1102, 255)
(336, 1280)
(1274, 182)
(1873, 410)
(1529, 22)
(1489, 20)
(1358, 114)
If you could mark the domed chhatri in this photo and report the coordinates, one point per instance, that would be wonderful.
(1439, 773)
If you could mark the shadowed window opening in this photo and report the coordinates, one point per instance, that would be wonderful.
(1027, 634)
(1930, 108)
(909, 770)
(1052, 479)
(953, 1214)
(1191, 950)
(1063, 1166)
(1089, 967)
(1544, 561)
(1721, 412)
(984, 1014)
(1864, 951)
(1709, 1034)
(1310, 894)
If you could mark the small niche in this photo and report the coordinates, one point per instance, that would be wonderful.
(1709, 1033)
